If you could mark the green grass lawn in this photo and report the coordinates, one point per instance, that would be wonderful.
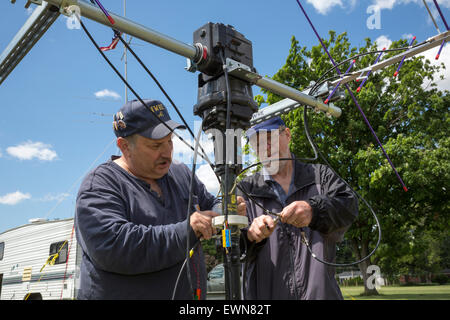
(424, 292)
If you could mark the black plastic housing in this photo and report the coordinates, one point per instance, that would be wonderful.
(219, 40)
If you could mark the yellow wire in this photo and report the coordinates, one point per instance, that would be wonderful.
(51, 261)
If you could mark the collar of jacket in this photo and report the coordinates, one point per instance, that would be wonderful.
(304, 176)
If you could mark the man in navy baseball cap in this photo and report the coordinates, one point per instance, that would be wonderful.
(131, 214)
(134, 117)
(268, 125)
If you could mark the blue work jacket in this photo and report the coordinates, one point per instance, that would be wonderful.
(134, 242)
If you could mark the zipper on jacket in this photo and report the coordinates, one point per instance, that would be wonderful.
(292, 262)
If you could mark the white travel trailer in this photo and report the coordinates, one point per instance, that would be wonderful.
(39, 260)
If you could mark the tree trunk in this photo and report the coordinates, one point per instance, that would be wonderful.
(361, 250)
(368, 280)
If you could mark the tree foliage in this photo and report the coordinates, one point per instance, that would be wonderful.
(410, 117)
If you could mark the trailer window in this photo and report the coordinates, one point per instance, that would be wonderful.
(59, 249)
(2, 250)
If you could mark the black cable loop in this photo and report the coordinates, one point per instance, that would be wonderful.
(315, 147)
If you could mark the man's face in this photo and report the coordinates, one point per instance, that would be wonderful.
(272, 145)
(148, 158)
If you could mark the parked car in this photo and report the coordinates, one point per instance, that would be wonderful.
(216, 279)
(216, 283)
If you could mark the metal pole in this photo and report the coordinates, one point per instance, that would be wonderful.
(125, 52)
(431, 15)
(191, 52)
(243, 72)
(131, 28)
(296, 95)
(34, 28)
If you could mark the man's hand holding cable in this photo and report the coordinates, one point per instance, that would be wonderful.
(201, 223)
(298, 213)
(261, 228)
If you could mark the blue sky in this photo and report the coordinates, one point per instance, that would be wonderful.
(57, 105)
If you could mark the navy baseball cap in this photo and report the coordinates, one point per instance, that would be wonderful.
(267, 125)
(134, 117)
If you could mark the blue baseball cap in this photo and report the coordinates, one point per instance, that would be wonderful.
(134, 117)
(267, 125)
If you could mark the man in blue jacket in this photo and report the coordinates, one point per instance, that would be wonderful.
(307, 196)
(131, 214)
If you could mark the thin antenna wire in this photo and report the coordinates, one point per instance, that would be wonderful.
(432, 18)
(79, 178)
(125, 52)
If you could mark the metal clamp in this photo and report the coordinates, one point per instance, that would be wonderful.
(69, 7)
(241, 71)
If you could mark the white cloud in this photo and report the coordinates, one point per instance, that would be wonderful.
(389, 4)
(54, 197)
(442, 3)
(386, 4)
(30, 150)
(14, 198)
(209, 179)
(183, 153)
(105, 93)
(324, 6)
(383, 42)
